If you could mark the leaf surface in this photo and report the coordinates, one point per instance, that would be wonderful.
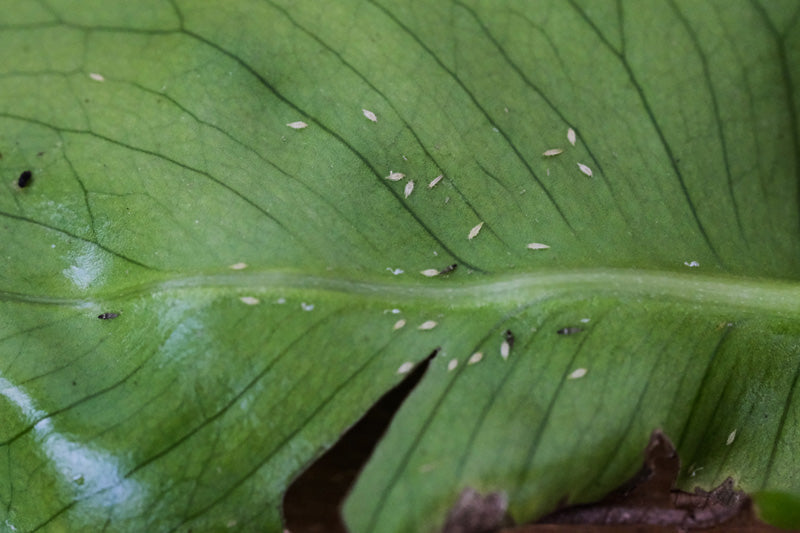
(211, 178)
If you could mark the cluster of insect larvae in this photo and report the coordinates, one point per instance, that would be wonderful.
(408, 189)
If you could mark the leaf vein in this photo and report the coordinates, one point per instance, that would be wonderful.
(656, 127)
(480, 108)
(263, 81)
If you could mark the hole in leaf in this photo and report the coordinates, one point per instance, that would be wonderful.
(313, 500)
(648, 502)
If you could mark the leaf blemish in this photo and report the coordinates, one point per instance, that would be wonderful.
(509, 337)
(571, 330)
(691, 264)
(107, 316)
(448, 269)
(25, 179)
(477, 512)
(306, 307)
(395, 271)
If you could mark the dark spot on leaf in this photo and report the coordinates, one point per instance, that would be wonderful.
(509, 337)
(40, 154)
(571, 330)
(474, 513)
(74, 383)
(107, 316)
(448, 269)
(25, 179)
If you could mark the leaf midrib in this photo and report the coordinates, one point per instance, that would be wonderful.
(771, 296)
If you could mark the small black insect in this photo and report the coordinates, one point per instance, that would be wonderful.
(569, 331)
(448, 269)
(509, 337)
(25, 179)
(107, 316)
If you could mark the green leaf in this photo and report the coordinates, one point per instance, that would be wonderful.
(249, 273)
(780, 509)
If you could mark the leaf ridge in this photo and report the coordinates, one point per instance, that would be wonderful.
(777, 297)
